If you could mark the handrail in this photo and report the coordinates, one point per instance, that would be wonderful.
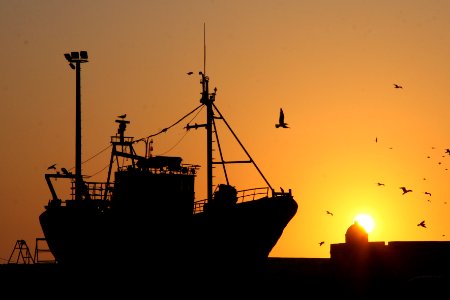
(96, 190)
(246, 195)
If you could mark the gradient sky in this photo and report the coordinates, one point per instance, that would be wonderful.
(331, 65)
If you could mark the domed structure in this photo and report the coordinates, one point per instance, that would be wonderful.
(356, 235)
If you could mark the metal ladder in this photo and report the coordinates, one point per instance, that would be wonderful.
(21, 254)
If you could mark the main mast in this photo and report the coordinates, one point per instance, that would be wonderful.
(208, 100)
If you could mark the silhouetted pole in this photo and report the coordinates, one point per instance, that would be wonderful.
(78, 58)
(78, 178)
(208, 100)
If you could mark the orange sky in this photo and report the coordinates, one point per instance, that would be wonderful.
(330, 65)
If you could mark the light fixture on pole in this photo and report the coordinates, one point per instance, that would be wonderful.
(75, 60)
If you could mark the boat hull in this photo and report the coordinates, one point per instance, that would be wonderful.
(243, 236)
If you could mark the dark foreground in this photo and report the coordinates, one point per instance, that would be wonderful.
(282, 278)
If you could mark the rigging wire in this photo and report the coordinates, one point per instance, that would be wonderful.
(95, 155)
(99, 171)
(176, 144)
(187, 131)
(242, 146)
(167, 128)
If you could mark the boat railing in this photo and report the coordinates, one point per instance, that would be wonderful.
(251, 194)
(121, 139)
(96, 190)
(242, 196)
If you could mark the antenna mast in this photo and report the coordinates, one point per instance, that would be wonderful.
(204, 48)
(208, 99)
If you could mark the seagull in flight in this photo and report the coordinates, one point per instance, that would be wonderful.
(329, 213)
(190, 73)
(281, 122)
(405, 190)
(397, 86)
(447, 151)
(321, 243)
(428, 193)
(122, 116)
(380, 184)
(422, 224)
(52, 167)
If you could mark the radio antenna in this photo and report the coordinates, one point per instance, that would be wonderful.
(204, 48)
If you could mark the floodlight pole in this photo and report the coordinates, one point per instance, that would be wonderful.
(78, 176)
(75, 60)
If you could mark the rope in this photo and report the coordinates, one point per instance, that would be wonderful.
(182, 138)
(100, 171)
(95, 155)
(167, 128)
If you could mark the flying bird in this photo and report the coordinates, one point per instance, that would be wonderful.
(397, 86)
(380, 184)
(376, 140)
(428, 193)
(190, 73)
(405, 190)
(52, 167)
(329, 213)
(447, 151)
(122, 116)
(321, 243)
(281, 122)
(422, 224)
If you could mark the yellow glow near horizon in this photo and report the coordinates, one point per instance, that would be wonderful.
(366, 221)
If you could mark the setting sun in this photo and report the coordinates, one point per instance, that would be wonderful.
(366, 221)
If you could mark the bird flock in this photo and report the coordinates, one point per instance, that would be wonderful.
(422, 223)
(404, 190)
